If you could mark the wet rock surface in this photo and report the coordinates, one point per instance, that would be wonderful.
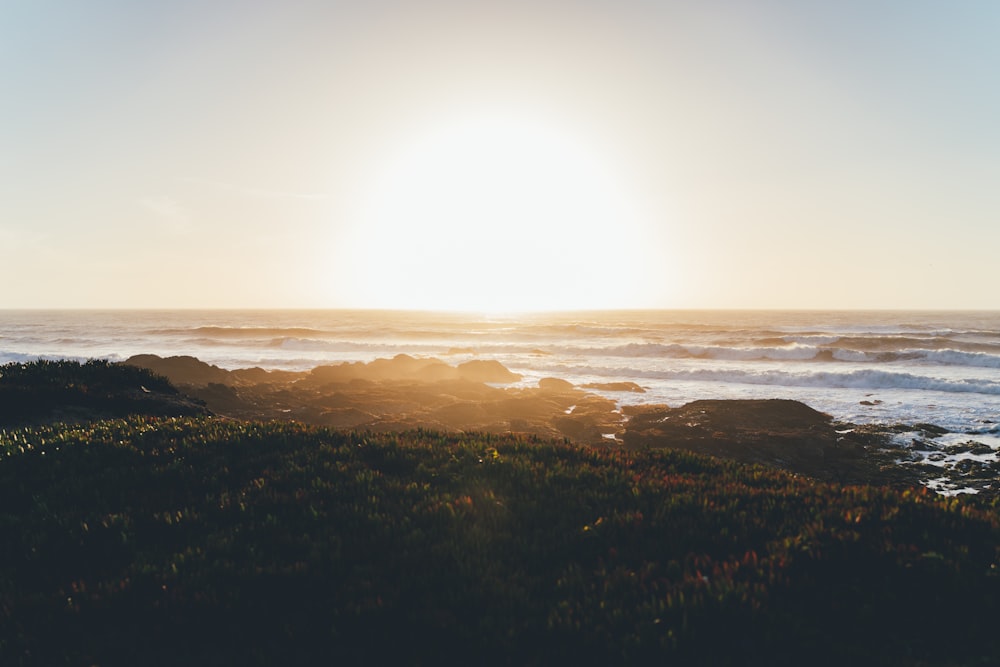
(949, 463)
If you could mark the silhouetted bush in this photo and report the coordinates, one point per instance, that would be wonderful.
(71, 391)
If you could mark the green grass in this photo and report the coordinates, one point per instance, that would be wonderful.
(202, 541)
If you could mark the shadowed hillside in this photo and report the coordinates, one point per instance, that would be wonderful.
(203, 542)
(68, 391)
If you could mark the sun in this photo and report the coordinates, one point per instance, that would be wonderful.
(496, 213)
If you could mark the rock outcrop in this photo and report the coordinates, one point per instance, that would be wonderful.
(782, 433)
(407, 392)
(401, 393)
(555, 385)
(180, 370)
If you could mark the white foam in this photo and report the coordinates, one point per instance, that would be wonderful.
(946, 440)
(959, 358)
(851, 355)
(868, 379)
(791, 352)
(812, 339)
(943, 486)
(794, 352)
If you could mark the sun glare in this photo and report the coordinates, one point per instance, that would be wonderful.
(494, 214)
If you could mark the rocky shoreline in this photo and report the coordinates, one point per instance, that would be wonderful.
(406, 393)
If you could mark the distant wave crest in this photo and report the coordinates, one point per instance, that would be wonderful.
(791, 352)
(256, 332)
(859, 379)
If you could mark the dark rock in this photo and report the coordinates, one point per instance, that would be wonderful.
(776, 432)
(182, 370)
(334, 374)
(261, 376)
(405, 367)
(222, 399)
(524, 406)
(345, 418)
(971, 466)
(581, 429)
(555, 385)
(468, 390)
(742, 415)
(643, 409)
(922, 445)
(463, 415)
(930, 429)
(970, 446)
(486, 371)
(615, 386)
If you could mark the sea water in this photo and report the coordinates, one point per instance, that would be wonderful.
(862, 367)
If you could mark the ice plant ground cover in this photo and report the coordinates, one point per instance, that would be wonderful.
(198, 541)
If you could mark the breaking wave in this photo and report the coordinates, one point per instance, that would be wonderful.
(792, 352)
(858, 379)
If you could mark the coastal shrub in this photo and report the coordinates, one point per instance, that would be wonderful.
(44, 390)
(206, 541)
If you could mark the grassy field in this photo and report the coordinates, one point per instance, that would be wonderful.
(200, 541)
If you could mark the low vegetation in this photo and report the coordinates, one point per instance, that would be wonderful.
(201, 541)
(47, 391)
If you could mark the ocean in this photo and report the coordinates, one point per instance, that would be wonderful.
(862, 367)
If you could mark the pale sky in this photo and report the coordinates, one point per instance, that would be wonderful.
(500, 155)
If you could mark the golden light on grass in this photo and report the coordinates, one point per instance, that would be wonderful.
(497, 213)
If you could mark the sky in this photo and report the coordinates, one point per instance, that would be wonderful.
(499, 155)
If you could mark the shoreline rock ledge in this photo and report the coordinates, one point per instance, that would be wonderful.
(406, 392)
(776, 432)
